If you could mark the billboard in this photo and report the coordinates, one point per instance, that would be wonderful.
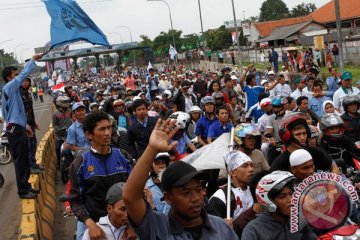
(246, 28)
(231, 24)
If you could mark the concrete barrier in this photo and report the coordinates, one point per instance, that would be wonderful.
(38, 215)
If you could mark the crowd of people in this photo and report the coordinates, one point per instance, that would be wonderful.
(123, 135)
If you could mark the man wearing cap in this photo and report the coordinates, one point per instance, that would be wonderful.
(344, 90)
(240, 167)
(265, 105)
(183, 190)
(75, 139)
(301, 89)
(255, 112)
(115, 224)
(16, 128)
(184, 100)
(301, 164)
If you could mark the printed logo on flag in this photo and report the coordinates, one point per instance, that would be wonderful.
(71, 21)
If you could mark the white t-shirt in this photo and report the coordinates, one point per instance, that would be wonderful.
(296, 94)
(282, 90)
(340, 94)
(243, 200)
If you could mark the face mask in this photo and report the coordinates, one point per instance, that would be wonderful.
(115, 96)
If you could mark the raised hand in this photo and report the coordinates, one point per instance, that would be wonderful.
(162, 134)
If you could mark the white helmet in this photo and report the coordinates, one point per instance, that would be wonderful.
(270, 186)
(136, 98)
(182, 119)
(195, 109)
(168, 93)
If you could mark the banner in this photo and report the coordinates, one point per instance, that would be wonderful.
(69, 23)
(210, 156)
(234, 37)
(172, 52)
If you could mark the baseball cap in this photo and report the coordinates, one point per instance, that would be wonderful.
(299, 80)
(264, 102)
(235, 159)
(271, 73)
(233, 77)
(264, 81)
(77, 105)
(299, 157)
(346, 75)
(180, 173)
(114, 194)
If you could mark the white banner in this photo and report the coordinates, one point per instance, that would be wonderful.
(211, 155)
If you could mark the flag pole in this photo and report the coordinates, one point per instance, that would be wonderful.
(228, 192)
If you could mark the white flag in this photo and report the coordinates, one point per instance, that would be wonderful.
(172, 52)
(149, 66)
(210, 156)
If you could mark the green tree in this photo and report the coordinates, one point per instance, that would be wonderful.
(218, 39)
(162, 42)
(273, 10)
(7, 59)
(302, 9)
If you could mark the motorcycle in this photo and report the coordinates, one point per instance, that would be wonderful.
(5, 153)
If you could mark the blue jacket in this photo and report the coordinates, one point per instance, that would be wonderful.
(12, 105)
(91, 176)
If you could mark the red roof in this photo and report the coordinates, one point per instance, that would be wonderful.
(349, 9)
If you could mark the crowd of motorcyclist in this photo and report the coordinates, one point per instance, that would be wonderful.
(275, 126)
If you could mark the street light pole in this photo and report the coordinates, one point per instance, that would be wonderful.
(21, 53)
(15, 51)
(237, 36)
(172, 29)
(201, 24)
(131, 39)
(118, 35)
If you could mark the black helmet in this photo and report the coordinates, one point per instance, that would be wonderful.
(350, 99)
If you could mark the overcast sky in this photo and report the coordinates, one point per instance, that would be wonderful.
(31, 26)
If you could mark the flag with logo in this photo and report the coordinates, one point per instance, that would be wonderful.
(69, 23)
(172, 52)
(210, 156)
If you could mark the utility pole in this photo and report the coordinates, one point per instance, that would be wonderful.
(202, 28)
(339, 35)
(237, 35)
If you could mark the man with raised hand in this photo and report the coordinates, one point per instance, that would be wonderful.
(182, 185)
(17, 130)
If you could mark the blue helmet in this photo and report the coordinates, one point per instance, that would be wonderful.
(277, 102)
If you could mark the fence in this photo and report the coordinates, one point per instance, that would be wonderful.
(38, 215)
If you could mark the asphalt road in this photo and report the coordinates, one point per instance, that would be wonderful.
(10, 205)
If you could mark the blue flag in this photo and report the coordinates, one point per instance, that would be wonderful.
(69, 23)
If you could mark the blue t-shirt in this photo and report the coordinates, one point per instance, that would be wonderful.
(255, 112)
(216, 129)
(202, 126)
(252, 94)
